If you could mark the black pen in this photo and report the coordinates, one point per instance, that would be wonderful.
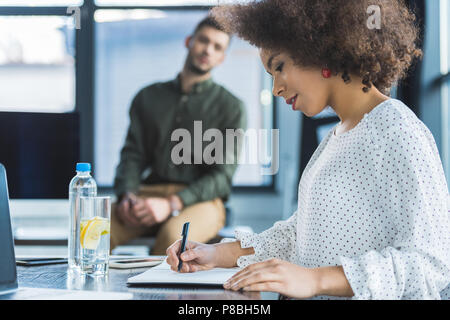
(184, 233)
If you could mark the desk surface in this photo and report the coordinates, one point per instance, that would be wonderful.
(58, 277)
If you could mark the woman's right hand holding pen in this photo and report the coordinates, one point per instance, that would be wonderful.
(199, 256)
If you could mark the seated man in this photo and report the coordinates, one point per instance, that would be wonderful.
(175, 193)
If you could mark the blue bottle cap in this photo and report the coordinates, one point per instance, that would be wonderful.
(83, 167)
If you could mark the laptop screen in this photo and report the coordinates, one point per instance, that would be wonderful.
(8, 275)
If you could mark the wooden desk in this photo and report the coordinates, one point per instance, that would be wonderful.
(57, 277)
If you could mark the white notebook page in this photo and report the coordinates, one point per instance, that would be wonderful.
(163, 274)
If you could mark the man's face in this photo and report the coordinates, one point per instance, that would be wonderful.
(206, 49)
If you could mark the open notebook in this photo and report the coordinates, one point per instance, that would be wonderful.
(163, 274)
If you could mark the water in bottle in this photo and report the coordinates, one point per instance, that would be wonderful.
(82, 185)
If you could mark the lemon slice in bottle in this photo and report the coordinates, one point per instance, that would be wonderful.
(91, 230)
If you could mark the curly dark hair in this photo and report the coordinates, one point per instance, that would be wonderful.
(331, 33)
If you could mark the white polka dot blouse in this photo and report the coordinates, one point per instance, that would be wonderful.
(373, 200)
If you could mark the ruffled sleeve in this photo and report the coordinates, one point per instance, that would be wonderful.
(277, 242)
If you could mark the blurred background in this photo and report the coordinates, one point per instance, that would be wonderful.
(67, 81)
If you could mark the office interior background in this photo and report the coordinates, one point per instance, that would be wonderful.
(67, 81)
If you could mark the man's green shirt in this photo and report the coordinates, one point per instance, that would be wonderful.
(155, 113)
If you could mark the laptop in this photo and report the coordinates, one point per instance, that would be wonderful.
(9, 287)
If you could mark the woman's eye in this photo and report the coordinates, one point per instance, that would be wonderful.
(280, 67)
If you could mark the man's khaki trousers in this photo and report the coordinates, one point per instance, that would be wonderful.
(206, 219)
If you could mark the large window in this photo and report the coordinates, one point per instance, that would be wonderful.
(37, 63)
(51, 62)
(163, 2)
(136, 47)
(36, 3)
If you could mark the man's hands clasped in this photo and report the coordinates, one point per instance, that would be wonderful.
(134, 211)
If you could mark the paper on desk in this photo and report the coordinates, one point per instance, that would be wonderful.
(163, 274)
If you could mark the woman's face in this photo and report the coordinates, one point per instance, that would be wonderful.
(305, 89)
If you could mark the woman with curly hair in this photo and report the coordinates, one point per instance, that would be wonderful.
(372, 219)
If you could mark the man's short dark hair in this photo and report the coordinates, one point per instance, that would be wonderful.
(210, 22)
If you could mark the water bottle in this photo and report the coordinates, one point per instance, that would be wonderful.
(82, 185)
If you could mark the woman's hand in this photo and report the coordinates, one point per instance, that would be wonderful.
(276, 276)
(197, 256)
